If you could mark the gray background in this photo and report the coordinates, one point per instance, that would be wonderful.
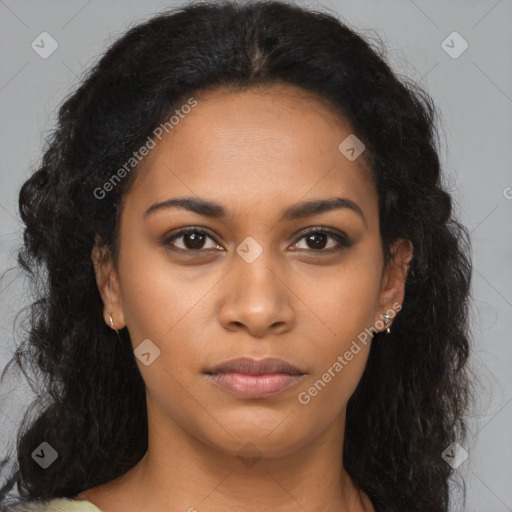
(474, 96)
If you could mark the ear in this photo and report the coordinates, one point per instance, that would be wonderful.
(108, 286)
(393, 281)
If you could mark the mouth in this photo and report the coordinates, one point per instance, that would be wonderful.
(250, 378)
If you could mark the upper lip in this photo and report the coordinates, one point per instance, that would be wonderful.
(256, 367)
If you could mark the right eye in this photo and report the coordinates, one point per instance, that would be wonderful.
(193, 240)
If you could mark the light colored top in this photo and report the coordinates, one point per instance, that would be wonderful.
(57, 505)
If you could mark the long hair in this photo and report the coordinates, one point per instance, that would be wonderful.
(411, 401)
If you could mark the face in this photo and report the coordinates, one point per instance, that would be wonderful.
(256, 274)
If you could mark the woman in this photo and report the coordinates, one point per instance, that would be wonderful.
(256, 288)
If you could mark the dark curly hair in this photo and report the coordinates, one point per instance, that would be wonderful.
(414, 394)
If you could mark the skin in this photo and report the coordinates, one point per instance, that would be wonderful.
(255, 152)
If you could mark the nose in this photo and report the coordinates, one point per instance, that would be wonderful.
(256, 300)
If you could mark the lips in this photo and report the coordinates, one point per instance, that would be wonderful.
(254, 367)
(249, 378)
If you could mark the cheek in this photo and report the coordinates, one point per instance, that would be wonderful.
(345, 298)
(151, 292)
(339, 356)
(165, 303)
(161, 307)
(345, 307)
(325, 396)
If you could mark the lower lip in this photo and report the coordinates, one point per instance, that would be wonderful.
(255, 386)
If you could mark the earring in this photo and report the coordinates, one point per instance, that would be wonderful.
(386, 319)
(111, 321)
(112, 324)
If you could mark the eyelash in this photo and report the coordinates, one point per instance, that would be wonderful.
(342, 240)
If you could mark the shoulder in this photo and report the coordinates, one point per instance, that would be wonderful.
(56, 505)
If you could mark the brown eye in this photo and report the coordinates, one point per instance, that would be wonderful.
(316, 241)
(192, 240)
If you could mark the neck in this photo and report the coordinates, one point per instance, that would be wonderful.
(182, 473)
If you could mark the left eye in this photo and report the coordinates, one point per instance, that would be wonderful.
(194, 240)
(317, 237)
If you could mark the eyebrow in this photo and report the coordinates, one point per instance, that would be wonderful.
(216, 210)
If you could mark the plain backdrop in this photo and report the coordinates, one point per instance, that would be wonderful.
(473, 92)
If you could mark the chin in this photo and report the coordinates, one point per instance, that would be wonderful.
(249, 441)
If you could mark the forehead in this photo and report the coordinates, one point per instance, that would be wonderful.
(257, 145)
